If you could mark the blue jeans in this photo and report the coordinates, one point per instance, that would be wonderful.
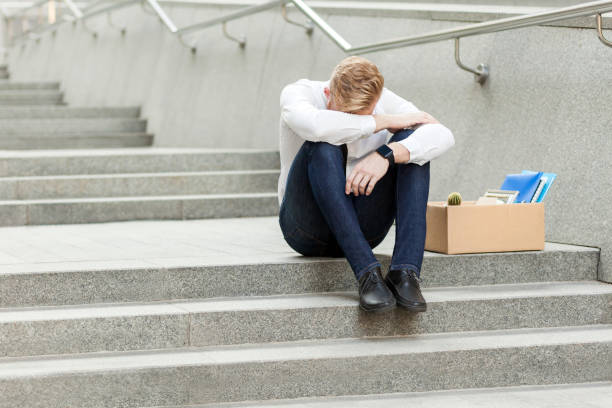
(318, 219)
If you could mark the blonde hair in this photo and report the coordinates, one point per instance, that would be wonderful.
(355, 84)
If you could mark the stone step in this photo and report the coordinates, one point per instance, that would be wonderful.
(425, 362)
(139, 184)
(592, 395)
(223, 321)
(70, 126)
(134, 160)
(37, 97)
(144, 261)
(105, 209)
(51, 111)
(75, 141)
(28, 85)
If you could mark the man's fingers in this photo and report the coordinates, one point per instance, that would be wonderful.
(364, 183)
(349, 182)
(355, 185)
(371, 185)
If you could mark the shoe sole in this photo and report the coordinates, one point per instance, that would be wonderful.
(378, 309)
(412, 308)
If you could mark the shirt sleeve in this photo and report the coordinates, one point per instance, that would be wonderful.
(299, 112)
(428, 141)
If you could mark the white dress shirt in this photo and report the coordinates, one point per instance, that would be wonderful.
(304, 116)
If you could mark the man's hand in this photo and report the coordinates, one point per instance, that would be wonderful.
(394, 123)
(366, 174)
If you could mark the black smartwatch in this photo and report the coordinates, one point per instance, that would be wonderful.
(386, 152)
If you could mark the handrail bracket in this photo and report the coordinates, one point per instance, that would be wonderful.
(481, 73)
(91, 31)
(308, 26)
(240, 40)
(192, 46)
(600, 31)
(113, 25)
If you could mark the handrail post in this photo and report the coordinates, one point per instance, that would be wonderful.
(240, 40)
(600, 31)
(308, 26)
(481, 72)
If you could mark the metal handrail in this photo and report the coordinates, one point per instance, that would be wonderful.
(481, 72)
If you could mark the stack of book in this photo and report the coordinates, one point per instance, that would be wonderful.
(527, 187)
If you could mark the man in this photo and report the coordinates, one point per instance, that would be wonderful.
(350, 165)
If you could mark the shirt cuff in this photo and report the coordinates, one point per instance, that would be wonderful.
(414, 147)
(368, 125)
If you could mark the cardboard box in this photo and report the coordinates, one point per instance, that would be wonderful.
(471, 228)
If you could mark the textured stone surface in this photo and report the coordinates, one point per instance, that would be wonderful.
(591, 395)
(28, 85)
(171, 207)
(16, 112)
(30, 97)
(102, 333)
(343, 367)
(75, 141)
(61, 126)
(134, 160)
(531, 114)
(142, 184)
(158, 260)
(121, 327)
(302, 320)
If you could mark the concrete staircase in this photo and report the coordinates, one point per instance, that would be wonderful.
(173, 313)
(76, 165)
(169, 310)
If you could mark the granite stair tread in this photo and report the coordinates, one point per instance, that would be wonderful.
(585, 395)
(21, 367)
(300, 301)
(242, 320)
(66, 112)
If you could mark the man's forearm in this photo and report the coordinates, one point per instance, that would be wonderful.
(383, 122)
(401, 154)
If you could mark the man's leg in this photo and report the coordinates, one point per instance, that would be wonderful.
(301, 221)
(326, 181)
(412, 193)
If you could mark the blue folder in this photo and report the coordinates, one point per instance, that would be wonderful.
(526, 184)
(550, 177)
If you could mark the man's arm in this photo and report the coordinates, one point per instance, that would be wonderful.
(430, 138)
(321, 125)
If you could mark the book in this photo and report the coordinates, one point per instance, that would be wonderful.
(550, 177)
(538, 191)
(525, 183)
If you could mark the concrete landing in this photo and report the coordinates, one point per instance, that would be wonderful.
(168, 243)
(594, 395)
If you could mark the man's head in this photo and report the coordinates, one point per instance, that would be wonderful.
(355, 86)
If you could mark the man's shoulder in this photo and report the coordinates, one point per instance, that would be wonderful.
(304, 89)
(308, 83)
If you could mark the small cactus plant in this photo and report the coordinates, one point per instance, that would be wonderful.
(454, 199)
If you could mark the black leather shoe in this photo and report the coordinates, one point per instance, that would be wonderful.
(404, 283)
(374, 295)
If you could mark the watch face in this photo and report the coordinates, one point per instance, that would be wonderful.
(385, 151)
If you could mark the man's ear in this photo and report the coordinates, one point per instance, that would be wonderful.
(327, 94)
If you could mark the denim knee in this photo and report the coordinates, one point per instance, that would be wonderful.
(325, 151)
